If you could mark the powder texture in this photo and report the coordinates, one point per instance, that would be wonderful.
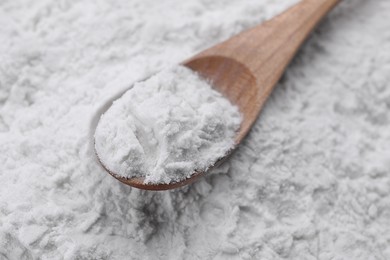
(166, 127)
(311, 181)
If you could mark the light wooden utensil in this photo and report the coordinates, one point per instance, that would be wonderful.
(246, 67)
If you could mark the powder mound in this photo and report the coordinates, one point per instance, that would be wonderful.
(166, 127)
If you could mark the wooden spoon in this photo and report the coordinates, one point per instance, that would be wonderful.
(246, 67)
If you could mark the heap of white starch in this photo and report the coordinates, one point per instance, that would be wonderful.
(166, 127)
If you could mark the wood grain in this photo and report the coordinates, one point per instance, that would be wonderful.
(246, 68)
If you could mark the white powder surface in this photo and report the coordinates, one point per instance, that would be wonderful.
(311, 181)
(166, 127)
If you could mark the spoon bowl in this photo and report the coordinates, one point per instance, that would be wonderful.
(246, 68)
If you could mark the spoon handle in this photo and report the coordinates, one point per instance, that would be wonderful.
(267, 49)
(281, 40)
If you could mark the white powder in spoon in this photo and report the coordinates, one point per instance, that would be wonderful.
(166, 127)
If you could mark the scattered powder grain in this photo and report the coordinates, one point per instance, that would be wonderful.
(311, 180)
(166, 127)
